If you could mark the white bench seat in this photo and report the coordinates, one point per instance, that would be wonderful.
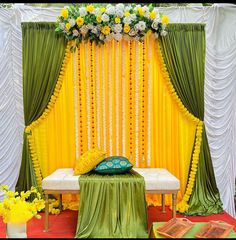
(157, 180)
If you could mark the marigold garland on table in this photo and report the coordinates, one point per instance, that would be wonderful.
(16, 209)
(102, 24)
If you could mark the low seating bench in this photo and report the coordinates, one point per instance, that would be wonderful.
(157, 181)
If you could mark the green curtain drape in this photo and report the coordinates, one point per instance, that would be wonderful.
(184, 50)
(43, 51)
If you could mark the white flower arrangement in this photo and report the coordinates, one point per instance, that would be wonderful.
(102, 24)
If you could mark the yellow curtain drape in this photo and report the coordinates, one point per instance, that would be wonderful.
(123, 107)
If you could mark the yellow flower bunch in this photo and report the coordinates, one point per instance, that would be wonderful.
(16, 209)
(54, 206)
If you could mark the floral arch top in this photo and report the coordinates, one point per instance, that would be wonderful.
(101, 24)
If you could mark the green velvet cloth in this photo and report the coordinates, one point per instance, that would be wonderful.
(190, 234)
(112, 206)
(43, 52)
(183, 50)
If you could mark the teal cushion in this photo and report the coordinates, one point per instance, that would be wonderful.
(113, 165)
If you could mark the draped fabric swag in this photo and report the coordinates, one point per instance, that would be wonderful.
(115, 97)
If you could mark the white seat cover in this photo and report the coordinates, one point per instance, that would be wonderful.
(155, 179)
(61, 179)
(158, 179)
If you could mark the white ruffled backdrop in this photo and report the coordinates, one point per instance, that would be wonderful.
(220, 89)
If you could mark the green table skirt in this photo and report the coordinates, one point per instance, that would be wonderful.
(190, 234)
(112, 206)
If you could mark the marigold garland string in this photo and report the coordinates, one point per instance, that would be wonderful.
(130, 102)
(92, 95)
(143, 105)
(80, 104)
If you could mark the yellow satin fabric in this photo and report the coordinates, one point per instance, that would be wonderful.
(55, 137)
(123, 107)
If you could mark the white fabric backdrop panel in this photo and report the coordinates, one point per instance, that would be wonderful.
(11, 99)
(220, 89)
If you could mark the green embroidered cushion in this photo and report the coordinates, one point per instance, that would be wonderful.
(113, 165)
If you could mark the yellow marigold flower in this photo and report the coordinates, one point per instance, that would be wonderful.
(106, 30)
(126, 14)
(102, 9)
(99, 18)
(79, 21)
(90, 8)
(126, 28)
(153, 15)
(117, 20)
(68, 26)
(165, 19)
(64, 13)
(140, 11)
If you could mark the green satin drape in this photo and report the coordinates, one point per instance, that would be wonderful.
(184, 50)
(43, 51)
(112, 206)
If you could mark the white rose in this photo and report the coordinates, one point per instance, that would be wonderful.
(97, 12)
(110, 10)
(62, 26)
(82, 11)
(117, 28)
(105, 17)
(146, 14)
(83, 30)
(72, 22)
(142, 25)
(133, 16)
(119, 13)
(75, 33)
(127, 20)
(155, 25)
